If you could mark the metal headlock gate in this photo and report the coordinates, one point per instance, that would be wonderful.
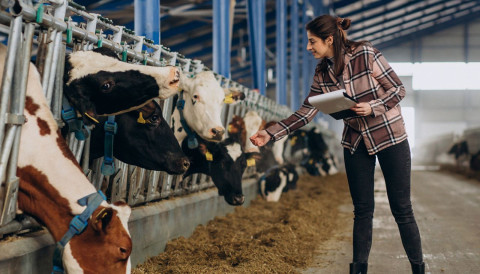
(46, 26)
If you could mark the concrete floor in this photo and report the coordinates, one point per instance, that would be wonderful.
(447, 210)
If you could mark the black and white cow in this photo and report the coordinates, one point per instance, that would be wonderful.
(98, 83)
(225, 162)
(320, 160)
(277, 180)
(145, 141)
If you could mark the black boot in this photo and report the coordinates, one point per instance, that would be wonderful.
(418, 268)
(358, 268)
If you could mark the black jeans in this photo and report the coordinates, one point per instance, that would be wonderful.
(395, 162)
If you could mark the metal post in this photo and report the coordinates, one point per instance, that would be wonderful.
(147, 19)
(18, 97)
(281, 16)
(256, 37)
(14, 38)
(306, 77)
(294, 90)
(221, 37)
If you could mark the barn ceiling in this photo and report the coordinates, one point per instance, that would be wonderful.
(186, 25)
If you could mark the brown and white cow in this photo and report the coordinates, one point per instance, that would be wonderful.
(51, 183)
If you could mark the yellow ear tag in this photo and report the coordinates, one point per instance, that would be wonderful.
(103, 213)
(293, 140)
(251, 162)
(93, 119)
(229, 128)
(209, 156)
(303, 133)
(140, 119)
(310, 161)
(228, 99)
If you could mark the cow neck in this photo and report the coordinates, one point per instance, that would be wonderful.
(76, 226)
(191, 135)
(44, 202)
(51, 180)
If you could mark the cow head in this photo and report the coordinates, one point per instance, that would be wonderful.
(106, 235)
(298, 145)
(143, 139)
(225, 162)
(236, 130)
(276, 181)
(98, 83)
(204, 99)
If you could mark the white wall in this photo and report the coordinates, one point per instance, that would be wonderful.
(439, 112)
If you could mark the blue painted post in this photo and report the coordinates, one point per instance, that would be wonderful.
(256, 37)
(147, 19)
(281, 18)
(295, 91)
(306, 77)
(221, 37)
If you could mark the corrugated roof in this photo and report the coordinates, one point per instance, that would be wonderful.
(186, 25)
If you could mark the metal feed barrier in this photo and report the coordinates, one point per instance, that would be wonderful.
(53, 34)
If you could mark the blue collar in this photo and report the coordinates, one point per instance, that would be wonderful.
(191, 135)
(74, 124)
(77, 226)
(110, 127)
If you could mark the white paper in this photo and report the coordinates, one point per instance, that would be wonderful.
(331, 102)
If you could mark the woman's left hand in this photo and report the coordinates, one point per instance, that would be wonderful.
(362, 109)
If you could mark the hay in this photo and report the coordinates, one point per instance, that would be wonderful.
(263, 238)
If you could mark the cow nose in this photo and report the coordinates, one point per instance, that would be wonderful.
(238, 199)
(217, 133)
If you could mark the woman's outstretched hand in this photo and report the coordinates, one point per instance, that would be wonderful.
(362, 109)
(260, 138)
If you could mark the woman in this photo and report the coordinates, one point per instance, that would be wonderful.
(377, 131)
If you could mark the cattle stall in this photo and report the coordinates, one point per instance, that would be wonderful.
(50, 33)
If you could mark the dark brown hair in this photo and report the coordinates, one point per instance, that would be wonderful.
(326, 25)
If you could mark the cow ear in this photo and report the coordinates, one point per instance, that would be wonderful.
(101, 218)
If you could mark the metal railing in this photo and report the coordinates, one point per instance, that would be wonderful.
(56, 34)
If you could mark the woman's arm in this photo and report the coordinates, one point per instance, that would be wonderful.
(384, 74)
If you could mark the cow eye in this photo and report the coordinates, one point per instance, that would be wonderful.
(195, 97)
(154, 118)
(107, 86)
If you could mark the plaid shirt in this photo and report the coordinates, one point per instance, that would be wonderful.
(368, 78)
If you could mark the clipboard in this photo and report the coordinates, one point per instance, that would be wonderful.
(336, 103)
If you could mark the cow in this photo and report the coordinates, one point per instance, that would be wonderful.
(276, 180)
(201, 100)
(143, 139)
(224, 161)
(236, 130)
(98, 83)
(296, 149)
(52, 187)
(320, 161)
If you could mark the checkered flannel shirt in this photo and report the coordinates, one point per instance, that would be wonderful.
(368, 78)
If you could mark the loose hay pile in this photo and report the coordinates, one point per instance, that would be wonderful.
(262, 238)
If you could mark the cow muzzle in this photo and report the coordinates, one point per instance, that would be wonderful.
(217, 133)
(235, 199)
